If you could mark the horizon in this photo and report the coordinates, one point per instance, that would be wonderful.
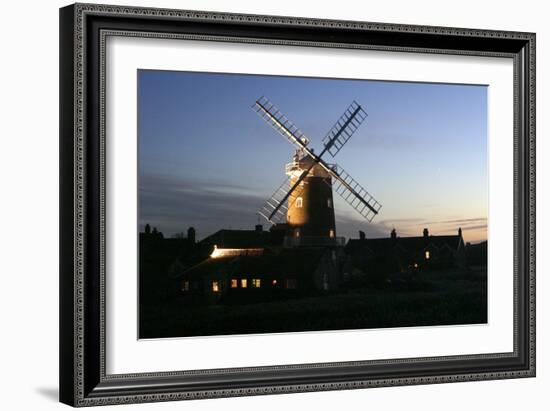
(183, 234)
(206, 160)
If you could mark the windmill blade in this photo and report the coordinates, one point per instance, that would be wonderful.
(279, 122)
(275, 209)
(344, 128)
(354, 194)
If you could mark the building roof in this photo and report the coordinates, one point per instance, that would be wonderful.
(243, 239)
(380, 246)
(286, 263)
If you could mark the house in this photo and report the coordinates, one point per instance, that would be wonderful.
(287, 269)
(476, 254)
(405, 254)
(257, 261)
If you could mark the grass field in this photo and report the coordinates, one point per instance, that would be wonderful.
(432, 298)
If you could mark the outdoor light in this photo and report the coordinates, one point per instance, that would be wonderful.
(216, 253)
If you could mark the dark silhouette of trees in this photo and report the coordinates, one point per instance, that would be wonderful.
(156, 233)
(161, 261)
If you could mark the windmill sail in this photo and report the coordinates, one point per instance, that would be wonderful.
(274, 210)
(354, 194)
(344, 128)
(271, 114)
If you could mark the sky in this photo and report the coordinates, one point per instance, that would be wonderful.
(207, 160)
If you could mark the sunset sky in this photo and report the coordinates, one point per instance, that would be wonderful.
(207, 160)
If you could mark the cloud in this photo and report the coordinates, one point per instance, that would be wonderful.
(397, 221)
(348, 226)
(459, 221)
(172, 204)
(475, 227)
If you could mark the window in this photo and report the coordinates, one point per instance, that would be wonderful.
(331, 233)
(234, 283)
(256, 283)
(329, 203)
(216, 286)
(427, 255)
(185, 286)
(290, 283)
(299, 202)
(244, 283)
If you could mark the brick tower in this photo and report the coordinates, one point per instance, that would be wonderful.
(310, 207)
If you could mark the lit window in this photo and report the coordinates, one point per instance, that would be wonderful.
(234, 283)
(216, 286)
(299, 202)
(290, 283)
(185, 286)
(256, 282)
(329, 203)
(331, 233)
(427, 255)
(243, 283)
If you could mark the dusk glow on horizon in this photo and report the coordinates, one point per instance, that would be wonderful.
(207, 160)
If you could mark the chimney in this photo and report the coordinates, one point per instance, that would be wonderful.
(191, 235)
(426, 234)
(393, 234)
(259, 228)
(361, 235)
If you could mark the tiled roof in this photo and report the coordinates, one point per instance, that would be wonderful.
(411, 244)
(243, 239)
(286, 263)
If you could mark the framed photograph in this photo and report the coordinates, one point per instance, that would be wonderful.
(261, 204)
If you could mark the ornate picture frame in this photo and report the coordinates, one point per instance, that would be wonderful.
(84, 29)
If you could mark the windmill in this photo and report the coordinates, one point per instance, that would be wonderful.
(304, 201)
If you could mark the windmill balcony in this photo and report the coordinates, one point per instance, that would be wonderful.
(298, 166)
